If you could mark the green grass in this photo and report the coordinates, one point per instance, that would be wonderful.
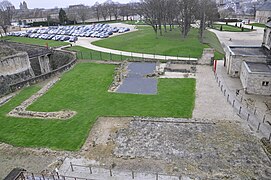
(257, 25)
(211, 39)
(84, 53)
(84, 89)
(230, 28)
(41, 42)
(144, 41)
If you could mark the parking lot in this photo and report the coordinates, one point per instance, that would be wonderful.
(71, 33)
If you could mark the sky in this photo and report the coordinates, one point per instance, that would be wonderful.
(31, 4)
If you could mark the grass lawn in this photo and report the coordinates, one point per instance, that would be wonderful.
(257, 25)
(41, 42)
(144, 41)
(84, 53)
(211, 39)
(84, 89)
(230, 28)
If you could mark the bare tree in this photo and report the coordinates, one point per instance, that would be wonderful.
(104, 11)
(82, 13)
(116, 10)
(5, 15)
(97, 9)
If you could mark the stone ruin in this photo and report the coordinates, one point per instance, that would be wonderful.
(22, 62)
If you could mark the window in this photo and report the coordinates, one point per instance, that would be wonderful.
(265, 83)
(236, 72)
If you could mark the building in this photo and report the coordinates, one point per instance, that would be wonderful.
(23, 6)
(263, 12)
(252, 64)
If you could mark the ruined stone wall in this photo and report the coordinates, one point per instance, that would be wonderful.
(234, 63)
(252, 81)
(60, 58)
(15, 64)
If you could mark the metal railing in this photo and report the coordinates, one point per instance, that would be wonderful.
(257, 119)
(131, 173)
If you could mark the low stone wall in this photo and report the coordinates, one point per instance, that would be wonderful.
(37, 79)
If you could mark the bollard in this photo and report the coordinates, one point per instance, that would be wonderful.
(233, 102)
(71, 166)
(248, 117)
(240, 110)
(259, 127)
(264, 118)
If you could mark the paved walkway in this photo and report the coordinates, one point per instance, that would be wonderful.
(253, 38)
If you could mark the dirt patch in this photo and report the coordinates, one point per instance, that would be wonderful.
(214, 150)
(33, 160)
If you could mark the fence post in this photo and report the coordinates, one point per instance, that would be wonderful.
(156, 176)
(100, 55)
(224, 92)
(233, 103)
(255, 110)
(219, 83)
(264, 118)
(240, 110)
(242, 99)
(177, 57)
(71, 166)
(110, 56)
(90, 55)
(90, 170)
(81, 55)
(110, 172)
(228, 98)
(121, 56)
(259, 127)
(248, 116)
(133, 175)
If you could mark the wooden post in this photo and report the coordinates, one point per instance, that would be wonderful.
(90, 170)
(240, 110)
(255, 111)
(248, 117)
(259, 127)
(110, 171)
(101, 55)
(228, 98)
(110, 56)
(233, 103)
(264, 118)
(133, 175)
(71, 166)
(90, 55)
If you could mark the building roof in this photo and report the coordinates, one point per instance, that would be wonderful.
(265, 7)
(259, 67)
(247, 51)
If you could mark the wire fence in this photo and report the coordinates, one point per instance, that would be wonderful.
(131, 174)
(97, 55)
(259, 120)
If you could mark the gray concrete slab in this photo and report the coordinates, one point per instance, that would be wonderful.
(136, 82)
